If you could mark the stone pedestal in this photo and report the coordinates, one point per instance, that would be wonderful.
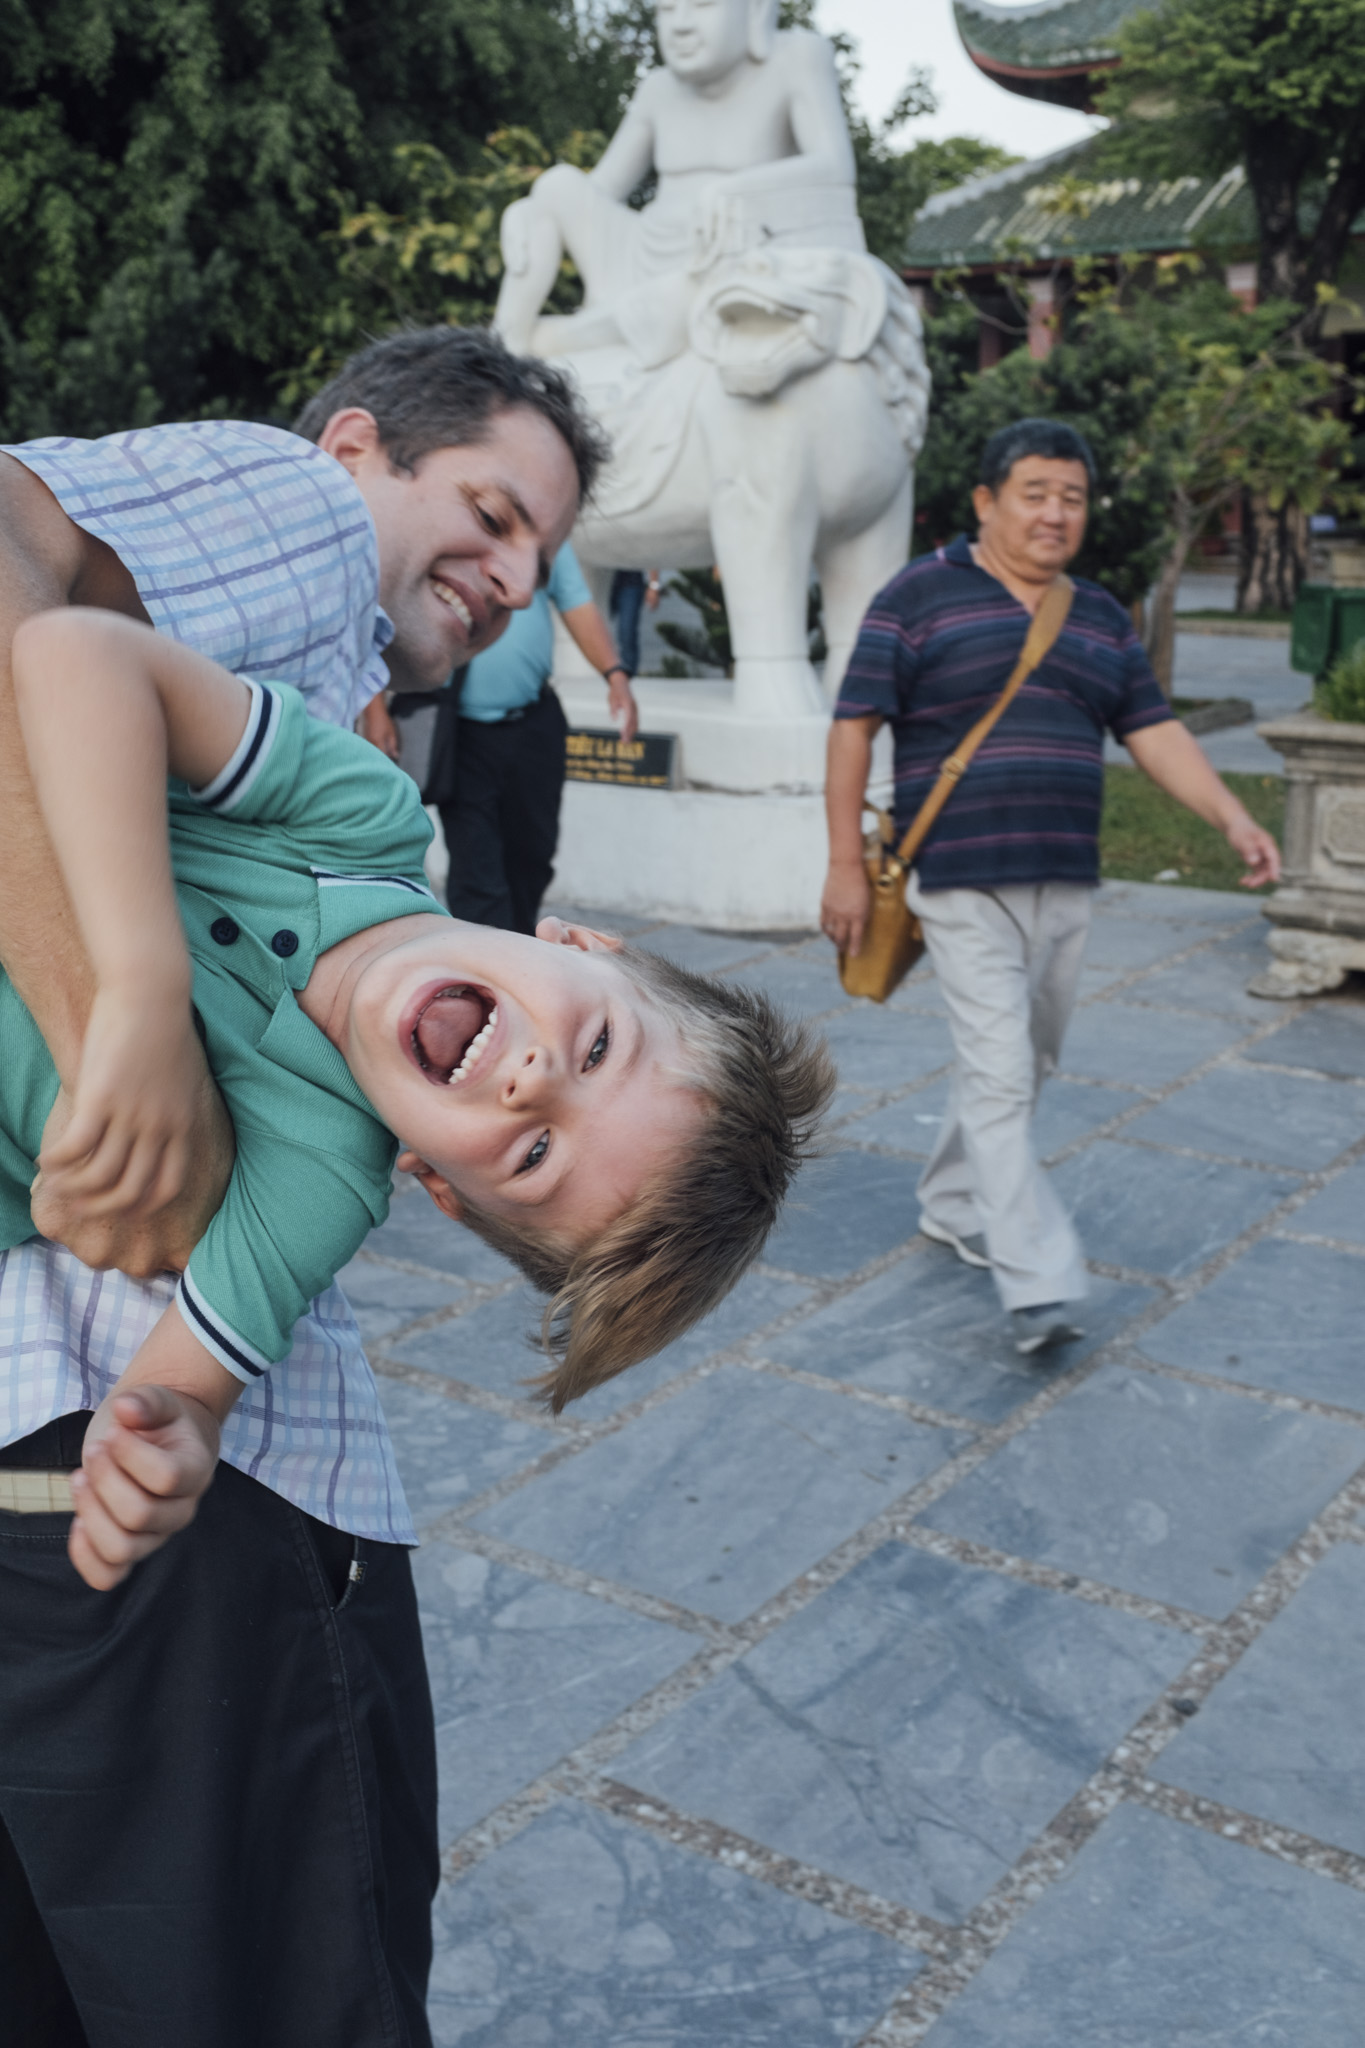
(740, 847)
(1319, 910)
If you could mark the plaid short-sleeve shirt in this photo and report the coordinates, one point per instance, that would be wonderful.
(256, 549)
(934, 652)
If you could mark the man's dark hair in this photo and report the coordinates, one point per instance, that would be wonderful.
(439, 387)
(1054, 440)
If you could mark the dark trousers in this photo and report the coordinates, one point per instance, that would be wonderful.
(625, 605)
(503, 826)
(217, 1785)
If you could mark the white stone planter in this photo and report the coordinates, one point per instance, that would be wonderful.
(1318, 912)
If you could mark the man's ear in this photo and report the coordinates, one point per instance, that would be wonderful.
(436, 1185)
(983, 503)
(351, 436)
(555, 932)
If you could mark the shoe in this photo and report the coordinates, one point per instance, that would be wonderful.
(1038, 1329)
(971, 1250)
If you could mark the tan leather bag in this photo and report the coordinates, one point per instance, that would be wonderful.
(892, 938)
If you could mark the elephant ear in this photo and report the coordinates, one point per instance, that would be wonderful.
(862, 308)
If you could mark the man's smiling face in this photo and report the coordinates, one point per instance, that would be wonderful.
(466, 538)
(530, 1075)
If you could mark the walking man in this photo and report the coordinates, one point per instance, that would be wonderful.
(1003, 885)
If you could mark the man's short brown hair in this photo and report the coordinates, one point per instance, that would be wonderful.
(693, 1229)
(439, 387)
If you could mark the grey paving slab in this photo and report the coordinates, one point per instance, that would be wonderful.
(1339, 1211)
(932, 1330)
(805, 984)
(1161, 1936)
(918, 993)
(1067, 1111)
(1282, 1119)
(1286, 1316)
(878, 1047)
(1132, 942)
(1071, 1110)
(521, 1671)
(845, 1209)
(703, 952)
(584, 1932)
(1158, 1213)
(913, 1729)
(417, 1231)
(447, 1452)
(1181, 1492)
(910, 1125)
(1215, 981)
(1329, 1038)
(1137, 1047)
(1210, 907)
(385, 1301)
(759, 1299)
(1280, 1735)
(721, 1496)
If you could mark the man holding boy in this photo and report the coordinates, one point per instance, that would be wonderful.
(1002, 886)
(274, 1667)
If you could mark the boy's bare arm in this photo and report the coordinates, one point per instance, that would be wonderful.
(150, 1453)
(105, 708)
(46, 562)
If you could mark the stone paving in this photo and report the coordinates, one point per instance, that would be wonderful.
(840, 1677)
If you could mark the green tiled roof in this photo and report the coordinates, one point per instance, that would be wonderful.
(1059, 206)
(1046, 37)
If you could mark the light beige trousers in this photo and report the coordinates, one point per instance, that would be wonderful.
(1008, 961)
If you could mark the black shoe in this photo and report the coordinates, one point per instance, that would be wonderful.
(1038, 1329)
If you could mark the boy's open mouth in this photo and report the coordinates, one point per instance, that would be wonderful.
(453, 1030)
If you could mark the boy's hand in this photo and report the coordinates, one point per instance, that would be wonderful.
(149, 1456)
(125, 1150)
(142, 1245)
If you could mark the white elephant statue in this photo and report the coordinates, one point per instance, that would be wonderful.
(783, 437)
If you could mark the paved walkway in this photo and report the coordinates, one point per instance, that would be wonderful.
(841, 1678)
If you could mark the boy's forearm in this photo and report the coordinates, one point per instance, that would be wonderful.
(173, 1357)
(848, 763)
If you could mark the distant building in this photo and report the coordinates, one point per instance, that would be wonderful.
(1015, 236)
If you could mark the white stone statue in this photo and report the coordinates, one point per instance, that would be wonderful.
(762, 377)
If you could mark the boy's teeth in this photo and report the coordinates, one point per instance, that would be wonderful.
(475, 1048)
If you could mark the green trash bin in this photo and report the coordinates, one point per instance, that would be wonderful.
(1313, 635)
(1350, 621)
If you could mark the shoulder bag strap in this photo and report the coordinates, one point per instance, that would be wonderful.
(1048, 621)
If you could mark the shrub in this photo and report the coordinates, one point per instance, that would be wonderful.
(1341, 693)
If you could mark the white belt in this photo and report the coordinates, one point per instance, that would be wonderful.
(36, 1493)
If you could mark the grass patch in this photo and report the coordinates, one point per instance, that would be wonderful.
(1144, 832)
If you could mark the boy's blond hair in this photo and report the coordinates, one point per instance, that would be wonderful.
(695, 1227)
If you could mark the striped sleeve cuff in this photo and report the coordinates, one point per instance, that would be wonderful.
(241, 1359)
(234, 779)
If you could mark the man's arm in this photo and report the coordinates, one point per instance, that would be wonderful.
(592, 636)
(47, 562)
(845, 904)
(1175, 761)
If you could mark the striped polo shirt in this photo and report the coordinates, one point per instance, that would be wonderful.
(934, 652)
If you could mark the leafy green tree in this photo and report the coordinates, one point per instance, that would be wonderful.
(1275, 85)
(171, 171)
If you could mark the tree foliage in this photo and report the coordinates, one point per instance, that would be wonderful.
(171, 171)
(1275, 85)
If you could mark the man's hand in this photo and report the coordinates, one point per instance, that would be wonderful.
(846, 905)
(377, 725)
(145, 1244)
(149, 1456)
(1253, 844)
(621, 703)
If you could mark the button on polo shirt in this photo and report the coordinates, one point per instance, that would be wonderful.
(225, 931)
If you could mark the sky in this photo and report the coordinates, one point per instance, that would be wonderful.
(894, 34)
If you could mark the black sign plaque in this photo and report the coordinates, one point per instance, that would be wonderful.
(597, 754)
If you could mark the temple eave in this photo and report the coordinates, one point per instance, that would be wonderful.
(1060, 85)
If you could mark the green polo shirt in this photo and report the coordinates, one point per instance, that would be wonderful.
(307, 836)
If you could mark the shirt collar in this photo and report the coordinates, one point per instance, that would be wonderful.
(959, 553)
(384, 629)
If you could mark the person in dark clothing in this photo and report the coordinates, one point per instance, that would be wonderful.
(631, 591)
(502, 822)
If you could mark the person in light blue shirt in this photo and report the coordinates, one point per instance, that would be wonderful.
(502, 822)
